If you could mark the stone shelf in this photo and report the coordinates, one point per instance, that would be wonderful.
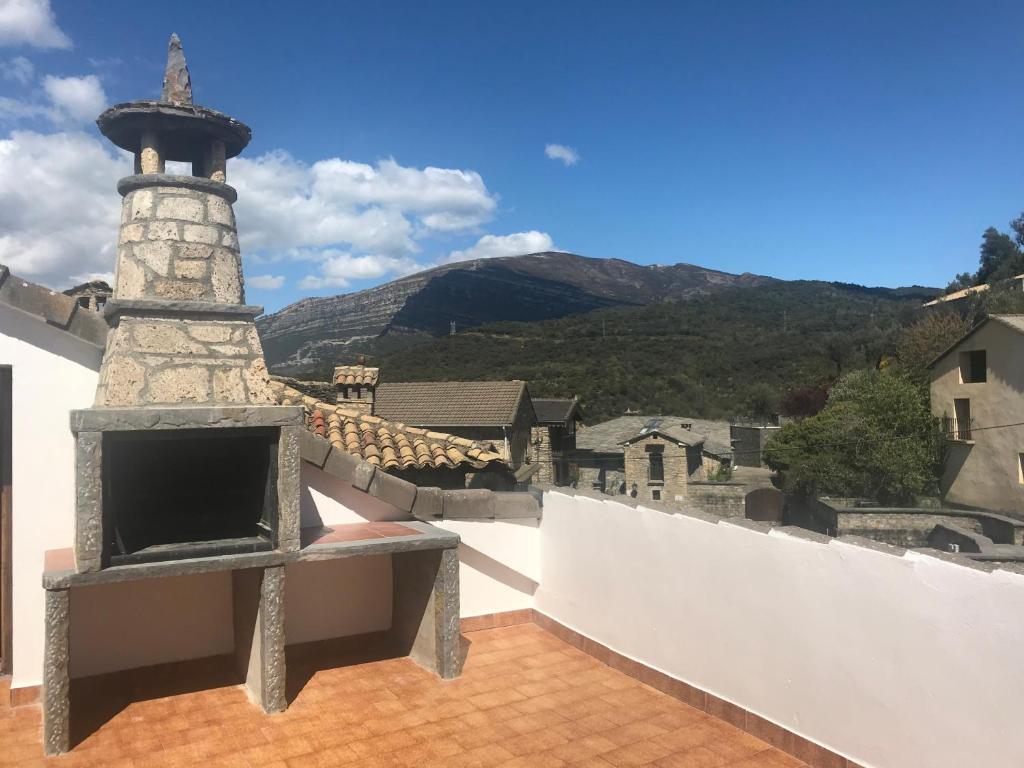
(425, 600)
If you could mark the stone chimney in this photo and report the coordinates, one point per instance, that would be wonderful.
(182, 331)
(185, 453)
(356, 385)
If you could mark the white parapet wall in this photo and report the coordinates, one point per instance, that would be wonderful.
(892, 659)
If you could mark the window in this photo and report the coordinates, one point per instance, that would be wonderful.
(83, 302)
(656, 467)
(656, 495)
(1020, 468)
(961, 426)
(973, 367)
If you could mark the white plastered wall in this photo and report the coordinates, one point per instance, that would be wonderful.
(892, 661)
(499, 564)
(51, 373)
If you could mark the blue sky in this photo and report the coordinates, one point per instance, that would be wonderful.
(864, 142)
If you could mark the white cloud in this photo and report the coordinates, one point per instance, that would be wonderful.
(339, 269)
(20, 69)
(384, 208)
(30, 22)
(491, 246)
(567, 155)
(59, 209)
(265, 282)
(79, 99)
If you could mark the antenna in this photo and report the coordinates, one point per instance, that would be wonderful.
(451, 329)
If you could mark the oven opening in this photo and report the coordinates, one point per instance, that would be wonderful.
(173, 494)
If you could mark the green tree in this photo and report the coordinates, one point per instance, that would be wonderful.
(925, 340)
(1000, 257)
(875, 438)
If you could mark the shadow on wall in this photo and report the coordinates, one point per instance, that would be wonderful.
(326, 500)
(493, 569)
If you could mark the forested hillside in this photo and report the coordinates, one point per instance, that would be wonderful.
(732, 353)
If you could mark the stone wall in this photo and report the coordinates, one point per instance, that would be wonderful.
(676, 462)
(721, 499)
(543, 454)
(160, 361)
(178, 241)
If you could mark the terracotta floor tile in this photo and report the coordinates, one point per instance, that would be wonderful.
(525, 699)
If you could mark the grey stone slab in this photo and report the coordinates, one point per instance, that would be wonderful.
(803, 533)
(433, 540)
(742, 522)
(313, 449)
(393, 490)
(878, 546)
(341, 464)
(185, 417)
(258, 614)
(429, 504)
(957, 559)
(362, 476)
(515, 505)
(56, 673)
(469, 504)
(190, 310)
(89, 501)
(139, 571)
(288, 488)
(194, 183)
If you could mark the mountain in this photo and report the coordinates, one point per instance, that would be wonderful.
(314, 333)
(731, 353)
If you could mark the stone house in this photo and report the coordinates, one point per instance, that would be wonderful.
(661, 460)
(977, 389)
(495, 413)
(599, 460)
(91, 295)
(554, 438)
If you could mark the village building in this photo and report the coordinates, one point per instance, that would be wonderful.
(554, 438)
(495, 413)
(356, 385)
(628, 455)
(977, 389)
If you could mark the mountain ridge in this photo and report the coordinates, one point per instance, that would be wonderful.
(316, 331)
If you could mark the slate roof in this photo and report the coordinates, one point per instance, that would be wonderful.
(672, 430)
(356, 375)
(53, 308)
(555, 411)
(452, 403)
(608, 436)
(386, 444)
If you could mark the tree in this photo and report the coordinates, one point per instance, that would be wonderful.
(925, 340)
(1000, 257)
(875, 438)
(803, 402)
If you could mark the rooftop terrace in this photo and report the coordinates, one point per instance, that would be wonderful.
(526, 698)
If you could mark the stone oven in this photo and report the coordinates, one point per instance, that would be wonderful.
(185, 452)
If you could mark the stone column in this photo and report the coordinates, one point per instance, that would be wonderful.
(426, 609)
(259, 635)
(289, 472)
(88, 501)
(56, 673)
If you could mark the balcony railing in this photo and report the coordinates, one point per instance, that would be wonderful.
(956, 429)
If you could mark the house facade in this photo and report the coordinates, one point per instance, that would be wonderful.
(554, 438)
(977, 388)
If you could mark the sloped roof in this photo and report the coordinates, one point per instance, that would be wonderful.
(1013, 322)
(608, 436)
(556, 411)
(383, 443)
(452, 403)
(53, 308)
(355, 375)
(671, 430)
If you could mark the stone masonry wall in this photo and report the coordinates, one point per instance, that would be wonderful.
(636, 460)
(541, 438)
(179, 243)
(153, 361)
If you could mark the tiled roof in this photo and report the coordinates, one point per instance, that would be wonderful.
(555, 411)
(608, 436)
(355, 375)
(451, 403)
(386, 444)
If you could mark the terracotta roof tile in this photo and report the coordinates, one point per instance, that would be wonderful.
(388, 444)
(355, 375)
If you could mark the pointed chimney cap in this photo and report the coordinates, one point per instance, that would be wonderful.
(177, 81)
